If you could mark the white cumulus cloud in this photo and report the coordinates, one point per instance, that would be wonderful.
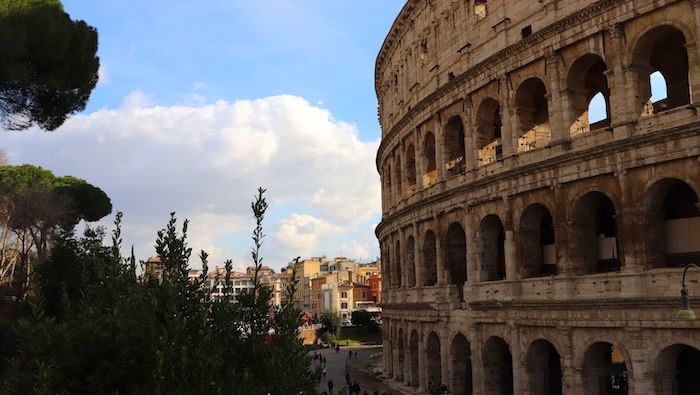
(204, 161)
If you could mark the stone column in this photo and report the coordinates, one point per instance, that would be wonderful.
(420, 162)
(417, 255)
(507, 132)
(472, 256)
(518, 366)
(439, 147)
(620, 111)
(386, 351)
(470, 159)
(439, 256)
(555, 101)
(509, 243)
(422, 362)
(693, 56)
(445, 356)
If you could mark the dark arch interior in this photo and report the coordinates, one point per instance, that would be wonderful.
(604, 370)
(430, 175)
(537, 248)
(411, 168)
(498, 367)
(488, 125)
(587, 79)
(433, 359)
(454, 146)
(492, 249)
(533, 114)
(595, 224)
(544, 369)
(411, 261)
(461, 383)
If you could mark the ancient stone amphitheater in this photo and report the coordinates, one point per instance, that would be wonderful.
(540, 169)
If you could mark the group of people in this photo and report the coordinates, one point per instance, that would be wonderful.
(352, 386)
(321, 360)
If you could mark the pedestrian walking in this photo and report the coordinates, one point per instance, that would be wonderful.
(330, 387)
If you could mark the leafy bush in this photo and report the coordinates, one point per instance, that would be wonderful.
(99, 329)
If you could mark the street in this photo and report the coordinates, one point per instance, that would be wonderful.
(338, 365)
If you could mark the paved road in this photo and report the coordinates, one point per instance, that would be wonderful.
(337, 367)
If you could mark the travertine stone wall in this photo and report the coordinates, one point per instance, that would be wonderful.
(533, 242)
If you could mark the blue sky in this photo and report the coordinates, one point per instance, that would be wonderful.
(200, 102)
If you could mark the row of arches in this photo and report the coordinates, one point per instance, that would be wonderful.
(672, 216)
(603, 368)
(658, 71)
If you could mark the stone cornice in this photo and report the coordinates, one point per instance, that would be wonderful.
(484, 66)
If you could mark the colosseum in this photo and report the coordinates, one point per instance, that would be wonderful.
(540, 169)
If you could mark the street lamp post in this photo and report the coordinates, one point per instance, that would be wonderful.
(686, 313)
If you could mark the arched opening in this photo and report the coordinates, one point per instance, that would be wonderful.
(411, 169)
(399, 371)
(676, 371)
(411, 261)
(433, 358)
(537, 242)
(589, 95)
(429, 259)
(673, 224)
(597, 109)
(498, 367)
(414, 380)
(454, 146)
(661, 70)
(543, 365)
(430, 175)
(488, 131)
(397, 265)
(492, 249)
(533, 114)
(604, 370)
(461, 380)
(595, 226)
(456, 254)
(397, 177)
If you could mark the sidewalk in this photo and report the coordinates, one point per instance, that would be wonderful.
(366, 368)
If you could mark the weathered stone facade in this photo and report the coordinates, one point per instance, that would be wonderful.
(530, 248)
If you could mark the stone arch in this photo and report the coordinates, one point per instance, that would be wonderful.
(488, 131)
(399, 370)
(533, 115)
(433, 359)
(461, 378)
(411, 168)
(492, 248)
(454, 148)
(397, 265)
(497, 367)
(456, 254)
(673, 223)
(429, 259)
(661, 49)
(411, 261)
(595, 230)
(537, 242)
(676, 370)
(414, 373)
(386, 268)
(543, 365)
(585, 80)
(604, 370)
(430, 166)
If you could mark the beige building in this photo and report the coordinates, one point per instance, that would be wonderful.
(278, 283)
(540, 168)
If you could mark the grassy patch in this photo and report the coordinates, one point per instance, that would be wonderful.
(359, 335)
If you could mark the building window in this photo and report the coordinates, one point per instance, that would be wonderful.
(343, 305)
(344, 295)
(364, 294)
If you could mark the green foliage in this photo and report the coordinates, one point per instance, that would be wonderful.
(330, 319)
(49, 65)
(363, 318)
(98, 329)
(73, 198)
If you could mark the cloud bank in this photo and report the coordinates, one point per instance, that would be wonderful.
(205, 161)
